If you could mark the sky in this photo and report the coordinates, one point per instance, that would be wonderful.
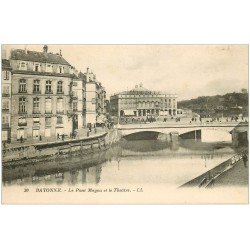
(186, 70)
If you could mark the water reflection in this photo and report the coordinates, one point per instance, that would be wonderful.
(143, 161)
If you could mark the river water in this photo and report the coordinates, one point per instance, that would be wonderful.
(129, 162)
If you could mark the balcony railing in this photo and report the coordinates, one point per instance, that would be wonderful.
(5, 95)
(60, 111)
(5, 109)
(22, 91)
(48, 111)
(22, 123)
(36, 91)
(60, 92)
(21, 112)
(36, 112)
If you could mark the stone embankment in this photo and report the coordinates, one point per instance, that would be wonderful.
(61, 149)
(208, 179)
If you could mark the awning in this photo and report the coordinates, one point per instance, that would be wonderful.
(129, 112)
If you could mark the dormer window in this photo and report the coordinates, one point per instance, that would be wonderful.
(37, 67)
(48, 68)
(23, 66)
(60, 69)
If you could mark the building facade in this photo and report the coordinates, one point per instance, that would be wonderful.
(6, 100)
(141, 102)
(77, 104)
(95, 98)
(40, 94)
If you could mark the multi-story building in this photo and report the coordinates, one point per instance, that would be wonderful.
(95, 98)
(77, 103)
(6, 100)
(40, 94)
(143, 102)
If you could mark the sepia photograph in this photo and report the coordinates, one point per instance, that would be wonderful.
(124, 124)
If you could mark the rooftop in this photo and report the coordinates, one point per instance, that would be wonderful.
(241, 127)
(6, 64)
(139, 89)
(35, 56)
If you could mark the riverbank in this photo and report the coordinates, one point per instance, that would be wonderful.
(236, 176)
(231, 172)
(59, 149)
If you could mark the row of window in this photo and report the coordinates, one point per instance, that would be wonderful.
(48, 105)
(36, 105)
(134, 100)
(36, 121)
(37, 89)
(146, 104)
(36, 86)
(146, 96)
(37, 67)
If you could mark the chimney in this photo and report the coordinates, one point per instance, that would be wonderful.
(60, 52)
(136, 86)
(25, 50)
(45, 49)
(141, 85)
(88, 70)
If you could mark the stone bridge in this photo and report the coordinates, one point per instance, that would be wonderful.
(207, 131)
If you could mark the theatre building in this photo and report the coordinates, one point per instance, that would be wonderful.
(40, 94)
(141, 102)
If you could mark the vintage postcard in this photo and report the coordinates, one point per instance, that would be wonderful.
(124, 124)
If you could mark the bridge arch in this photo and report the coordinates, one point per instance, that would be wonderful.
(207, 133)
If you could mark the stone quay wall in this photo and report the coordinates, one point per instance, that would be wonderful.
(41, 151)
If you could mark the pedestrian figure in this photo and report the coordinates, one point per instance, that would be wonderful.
(40, 138)
(87, 133)
(58, 136)
(63, 137)
(245, 159)
(21, 139)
